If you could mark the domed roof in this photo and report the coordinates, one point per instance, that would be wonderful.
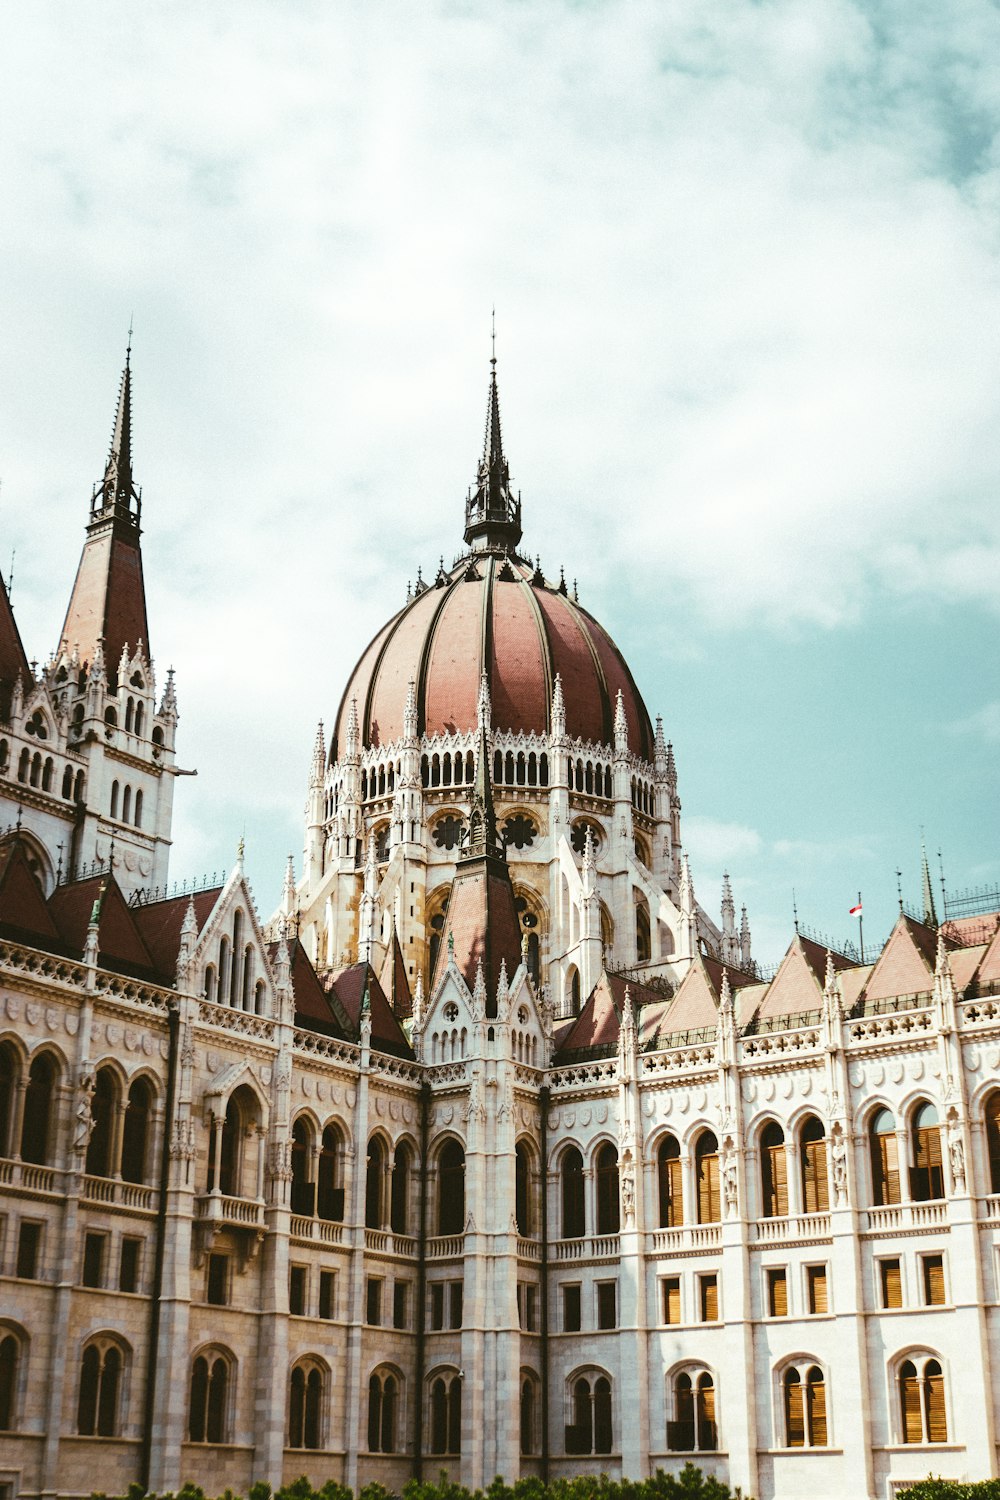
(495, 613)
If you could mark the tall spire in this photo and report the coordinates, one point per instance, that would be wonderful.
(109, 597)
(492, 513)
(930, 914)
(483, 836)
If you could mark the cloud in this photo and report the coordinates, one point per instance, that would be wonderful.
(713, 843)
(983, 724)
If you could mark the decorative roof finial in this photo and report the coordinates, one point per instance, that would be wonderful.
(930, 914)
(492, 513)
(558, 715)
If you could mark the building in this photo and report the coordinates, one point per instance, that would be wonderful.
(491, 1151)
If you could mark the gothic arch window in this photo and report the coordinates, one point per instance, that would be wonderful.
(78, 786)
(127, 804)
(305, 1405)
(67, 781)
(98, 1411)
(451, 1188)
(922, 1415)
(590, 1428)
(374, 1182)
(522, 1190)
(608, 1216)
(692, 1428)
(103, 1112)
(884, 1157)
(382, 843)
(114, 799)
(573, 1211)
(36, 1124)
(803, 1389)
(446, 1413)
(241, 1117)
(140, 714)
(10, 1073)
(47, 771)
(225, 965)
(643, 947)
(329, 1181)
(12, 1359)
(668, 1172)
(234, 969)
(384, 1390)
(399, 1189)
(773, 1172)
(211, 983)
(991, 1116)
(815, 1176)
(529, 1413)
(212, 1382)
(573, 990)
(927, 1173)
(129, 715)
(138, 808)
(303, 1188)
(247, 977)
(136, 1131)
(706, 1161)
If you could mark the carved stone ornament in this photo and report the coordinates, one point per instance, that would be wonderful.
(839, 1167)
(83, 1121)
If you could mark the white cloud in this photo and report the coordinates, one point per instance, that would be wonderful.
(983, 724)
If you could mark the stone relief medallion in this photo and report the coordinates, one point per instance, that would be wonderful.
(113, 1033)
(307, 1086)
(877, 1076)
(33, 1013)
(749, 1090)
(131, 1038)
(393, 1109)
(569, 1118)
(13, 1007)
(586, 1115)
(993, 1057)
(807, 1085)
(857, 1075)
(684, 1103)
(602, 1114)
(407, 1114)
(769, 1089)
(51, 1018)
(164, 1047)
(554, 1119)
(130, 859)
(897, 1072)
(973, 1061)
(145, 867)
(648, 1105)
(71, 1023)
(147, 1044)
(351, 1096)
(916, 1067)
(700, 1100)
(786, 1088)
(379, 1106)
(212, 1062)
(447, 1114)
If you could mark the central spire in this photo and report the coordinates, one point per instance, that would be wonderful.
(492, 513)
(117, 494)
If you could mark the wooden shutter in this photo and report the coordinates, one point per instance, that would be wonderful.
(777, 1290)
(993, 1140)
(795, 1433)
(815, 1181)
(778, 1204)
(909, 1396)
(888, 1147)
(816, 1391)
(934, 1280)
(709, 1299)
(937, 1422)
(709, 1208)
(672, 1300)
(671, 1208)
(817, 1289)
(707, 1437)
(892, 1285)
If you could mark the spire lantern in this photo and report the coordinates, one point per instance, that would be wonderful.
(492, 513)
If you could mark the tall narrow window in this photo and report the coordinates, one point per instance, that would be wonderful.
(707, 1170)
(795, 1426)
(100, 1379)
(209, 1399)
(926, 1176)
(9, 1352)
(527, 1417)
(451, 1189)
(373, 1183)
(103, 1108)
(400, 1190)
(580, 1432)
(885, 1158)
(773, 1171)
(303, 1191)
(668, 1165)
(603, 1426)
(608, 1208)
(816, 1408)
(135, 1131)
(681, 1431)
(35, 1125)
(815, 1180)
(992, 1118)
(329, 1192)
(9, 1072)
(909, 1397)
(522, 1187)
(934, 1414)
(572, 1194)
(706, 1429)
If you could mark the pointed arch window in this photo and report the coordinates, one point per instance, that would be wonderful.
(668, 1169)
(451, 1188)
(303, 1190)
(383, 1409)
(103, 1109)
(37, 1120)
(135, 1130)
(573, 1226)
(97, 1412)
(210, 1393)
(305, 1406)
(10, 1369)
(884, 1157)
(992, 1119)
(329, 1187)
(804, 1403)
(399, 1190)
(522, 1190)
(528, 1414)
(706, 1158)
(446, 1414)
(693, 1428)
(608, 1203)
(10, 1074)
(815, 1176)
(927, 1173)
(773, 1172)
(922, 1414)
(375, 1173)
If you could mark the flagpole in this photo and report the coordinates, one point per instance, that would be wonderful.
(861, 929)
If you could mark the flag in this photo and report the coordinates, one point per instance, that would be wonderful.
(855, 911)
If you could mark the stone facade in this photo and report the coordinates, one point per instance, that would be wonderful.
(491, 1151)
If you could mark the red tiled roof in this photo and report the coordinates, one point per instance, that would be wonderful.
(120, 944)
(524, 632)
(482, 919)
(13, 661)
(108, 596)
(395, 985)
(160, 922)
(599, 1022)
(22, 902)
(349, 987)
(906, 964)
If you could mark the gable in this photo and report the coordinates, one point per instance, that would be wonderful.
(22, 903)
(903, 967)
(119, 942)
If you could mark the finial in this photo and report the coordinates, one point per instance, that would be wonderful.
(930, 914)
(795, 912)
(241, 849)
(128, 346)
(493, 337)
(899, 888)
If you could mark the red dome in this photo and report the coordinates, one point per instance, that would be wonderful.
(495, 612)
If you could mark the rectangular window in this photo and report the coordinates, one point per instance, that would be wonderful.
(571, 1308)
(607, 1304)
(297, 1277)
(455, 1304)
(777, 1293)
(400, 1304)
(531, 1307)
(93, 1259)
(29, 1244)
(373, 1313)
(892, 1283)
(217, 1288)
(128, 1264)
(328, 1294)
(708, 1287)
(672, 1299)
(816, 1289)
(437, 1305)
(933, 1269)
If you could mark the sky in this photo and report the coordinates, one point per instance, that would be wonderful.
(745, 259)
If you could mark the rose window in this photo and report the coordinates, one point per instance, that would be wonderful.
(448, 832)
(519, 831)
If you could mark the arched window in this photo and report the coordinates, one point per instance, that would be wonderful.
(816, 1408)
(10, 1362)
(451, 1189)
(608, 1206)
(126, 804)
(668, 1171)
(36, 1123)
(67, 783)
(922, 1414)
(138, 809)
(329, 1187)
(211, 983)
(795, 1422)
(305, 1406)
(573, 986)
(693, 1428)
(208, 1420)
(446, 1414)
(140, 715)
(642, 938)
(303, 1190)
(706, 1158)
(885, 1158)
(97, 1412)
(591, 1429)
(241, 1114)
(773, 1172)
(135, 1130)
(926, 1174)
(522, 1190)
(129, 715)
(235, 978)
(529, 1402)
(804, 1400)
(815, 1178)
(573, 1218)
(991, 1116)
(114, 799)
(383, 1412)
(374, 1175)
(399, 1194)
(103, 1108)
(9, 1074)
